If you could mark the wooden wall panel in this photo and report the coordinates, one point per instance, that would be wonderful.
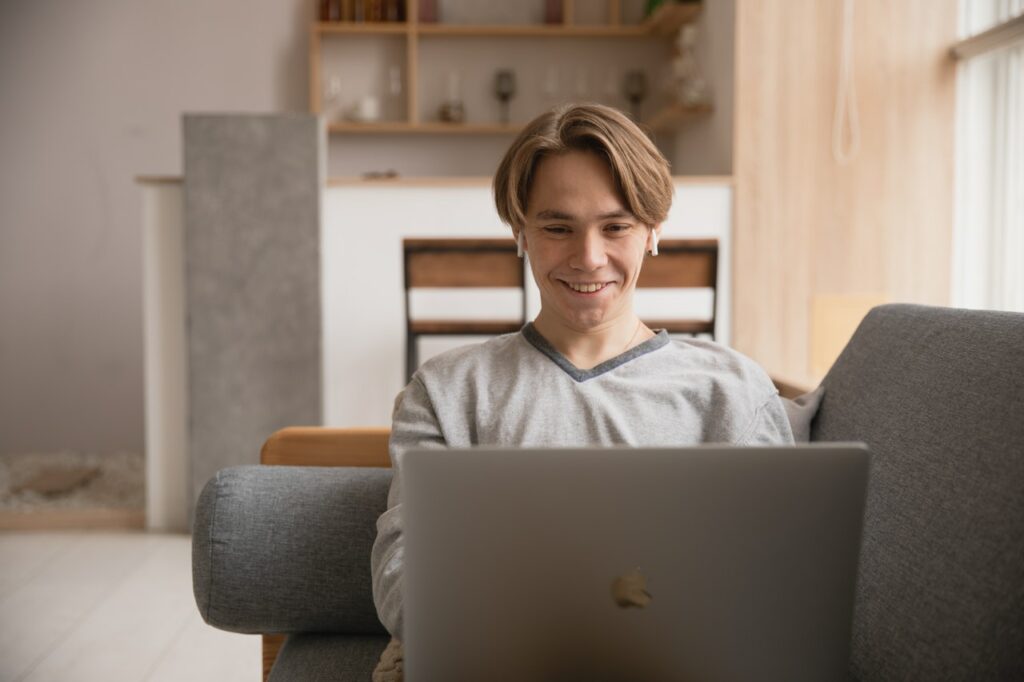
(807, 227)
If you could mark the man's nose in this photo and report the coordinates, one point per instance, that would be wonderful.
(591, 254)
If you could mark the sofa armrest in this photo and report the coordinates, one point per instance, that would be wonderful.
(287, 549)
(323, 446)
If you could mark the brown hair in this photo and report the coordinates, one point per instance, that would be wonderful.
(640, 171)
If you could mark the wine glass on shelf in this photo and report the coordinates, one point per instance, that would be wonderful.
(505, 90)
(395, 91)
(582, 85)
(635, 89)
(550, 87)
(332, 97)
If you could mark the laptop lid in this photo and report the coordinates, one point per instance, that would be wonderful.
(703, 563)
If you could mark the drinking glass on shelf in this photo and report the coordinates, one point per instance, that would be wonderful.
(332, 97)
(452, 109)
(549, 86)
(505, 90)
(611, 86)
(394, 91)
(582, 85)
(635, 89)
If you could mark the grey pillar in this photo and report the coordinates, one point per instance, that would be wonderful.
(252, 268)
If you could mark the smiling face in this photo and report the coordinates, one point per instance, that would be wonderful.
(584, 245)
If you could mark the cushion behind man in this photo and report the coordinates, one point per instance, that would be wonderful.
(938, 395)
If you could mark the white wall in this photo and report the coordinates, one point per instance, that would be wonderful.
(91, 94)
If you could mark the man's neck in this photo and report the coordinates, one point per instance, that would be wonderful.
(587, 348)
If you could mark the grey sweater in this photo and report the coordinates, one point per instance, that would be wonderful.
(517, 390)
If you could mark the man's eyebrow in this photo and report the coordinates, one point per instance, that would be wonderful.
(621, 213)
(553, 214)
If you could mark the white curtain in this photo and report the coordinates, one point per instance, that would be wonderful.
(988, 248)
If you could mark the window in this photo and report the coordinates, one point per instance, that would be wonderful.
(988, 241)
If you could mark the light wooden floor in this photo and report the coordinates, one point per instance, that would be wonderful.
(89, 606)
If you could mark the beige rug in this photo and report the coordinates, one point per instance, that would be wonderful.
(72, 490)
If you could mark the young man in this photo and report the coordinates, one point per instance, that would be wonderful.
(585, 193)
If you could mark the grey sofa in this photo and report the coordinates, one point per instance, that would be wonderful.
(937, 393)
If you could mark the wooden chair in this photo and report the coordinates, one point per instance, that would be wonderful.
(459, 263)
(683, 264)
(318, 446)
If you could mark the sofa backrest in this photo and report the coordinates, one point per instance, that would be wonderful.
(938, 395)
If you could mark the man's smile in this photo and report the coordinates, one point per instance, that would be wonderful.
(586, 287)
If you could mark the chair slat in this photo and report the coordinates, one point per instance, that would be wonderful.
(483, 268)
(683, 326)
(465, 327)
(681, 264)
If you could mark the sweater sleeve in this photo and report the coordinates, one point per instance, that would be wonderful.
(770, 425)
(414, 425)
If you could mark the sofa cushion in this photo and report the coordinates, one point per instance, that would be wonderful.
(287, 549)
(801, 412)
(337, 658)
(938, 395)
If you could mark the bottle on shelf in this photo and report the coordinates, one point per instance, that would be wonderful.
(553, 12)
(329, 10)
(427, 10)
(394, 10)
(375, 10)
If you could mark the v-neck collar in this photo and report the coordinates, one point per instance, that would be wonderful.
(580, 375)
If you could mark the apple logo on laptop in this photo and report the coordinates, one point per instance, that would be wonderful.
(630, 590)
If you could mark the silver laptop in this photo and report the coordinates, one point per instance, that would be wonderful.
(704, 563)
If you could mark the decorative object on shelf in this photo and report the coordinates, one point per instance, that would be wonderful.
(582, 84)
(389, 174)
(652, 6)
(330, 10)
(505, 90)
(687, 85)
(395, 81)
(452, 109)
(375, 10)
(553, 12)
(611, 87)
(549, 86)
(428, 11)
(366, 110)
(394, 89)
(332, 97)
(635, 89)
(394, 10)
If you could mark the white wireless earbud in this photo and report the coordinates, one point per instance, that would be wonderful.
(654, 242)
(519, 243)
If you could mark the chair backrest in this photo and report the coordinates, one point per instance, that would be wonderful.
(938, 396)
(683, 264)
(477, 263)
(459, 263)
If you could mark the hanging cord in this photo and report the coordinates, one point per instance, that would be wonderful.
(846, 96)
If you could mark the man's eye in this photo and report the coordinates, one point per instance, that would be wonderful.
(556, 229)
(618, 228)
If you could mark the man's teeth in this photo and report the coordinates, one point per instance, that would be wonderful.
(585, 288)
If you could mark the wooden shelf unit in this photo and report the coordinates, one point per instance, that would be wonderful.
(662, 24)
